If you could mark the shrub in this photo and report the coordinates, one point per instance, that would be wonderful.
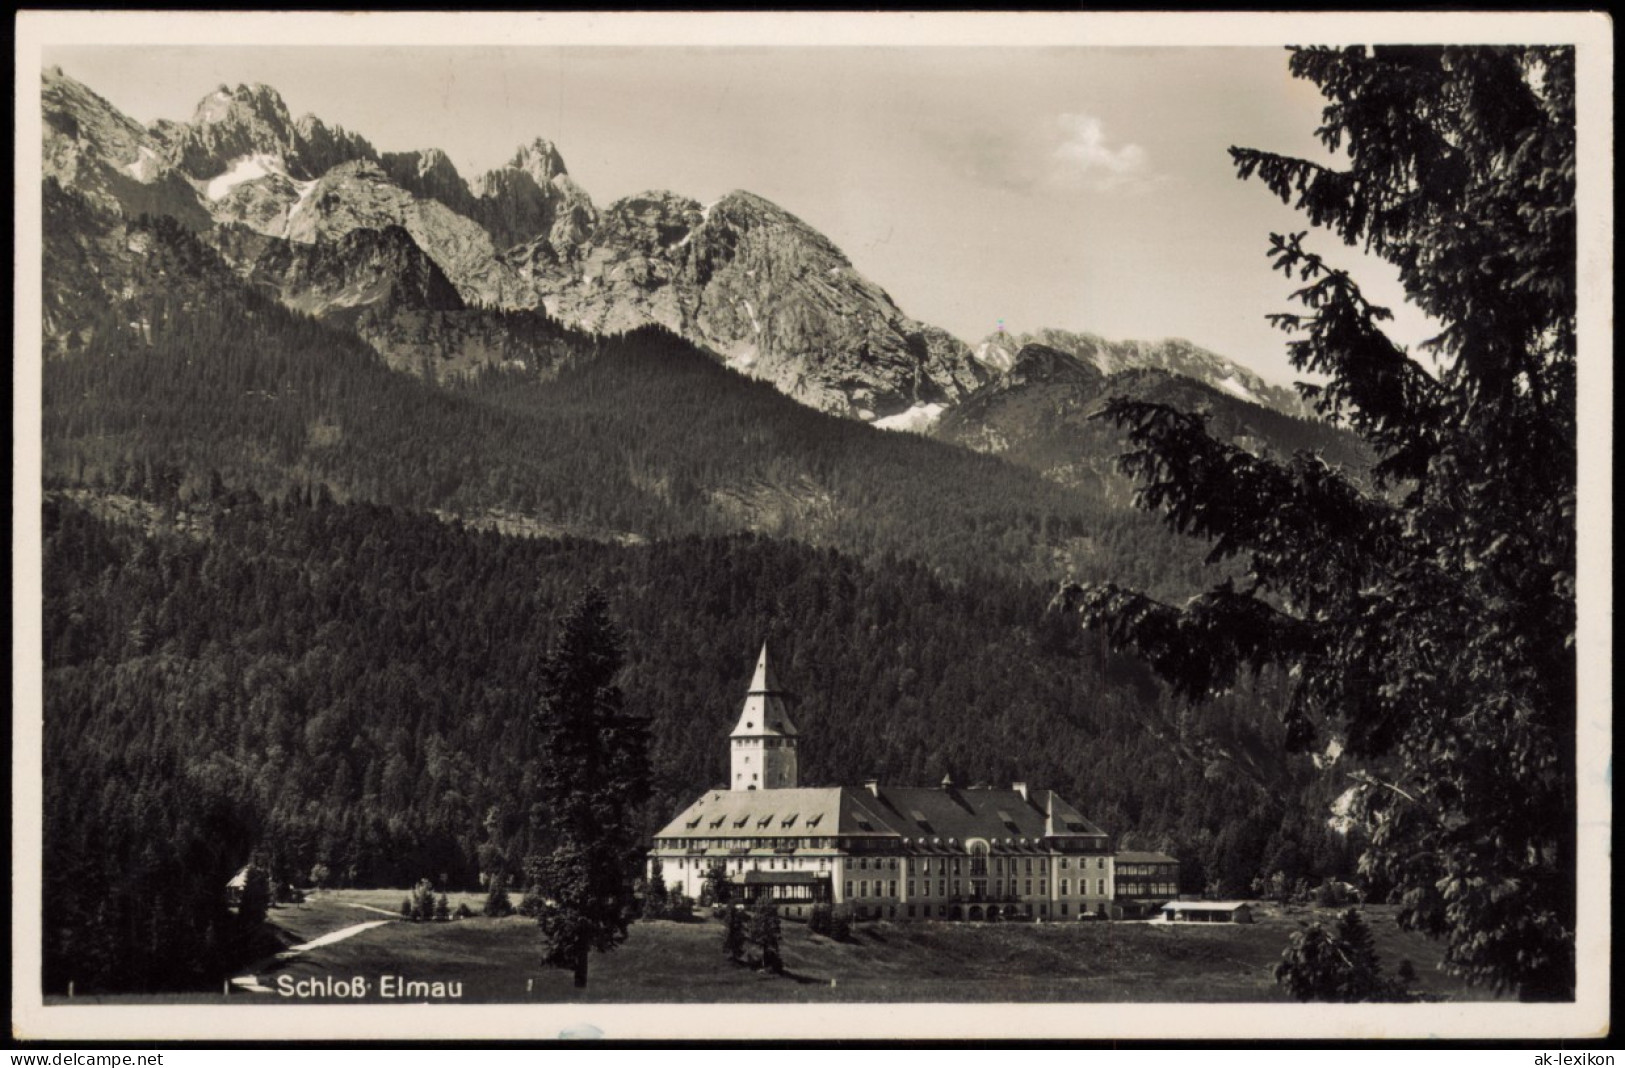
(679, 906)
(497, 902)
(822, 919)
(533, 903)
(1335, 965)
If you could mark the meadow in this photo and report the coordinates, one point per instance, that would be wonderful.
(499, 960)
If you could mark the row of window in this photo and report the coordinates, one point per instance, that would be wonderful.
(922, 866)
(1135, 888)
(979, 865)
(884, 888)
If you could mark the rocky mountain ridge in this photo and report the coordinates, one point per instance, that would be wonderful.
(1042, 414)
(1173, 355)
(767, 293)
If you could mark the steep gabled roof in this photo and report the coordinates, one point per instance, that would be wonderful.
(1063, 819)
(953, 815)
(818, 812)
(765, 712)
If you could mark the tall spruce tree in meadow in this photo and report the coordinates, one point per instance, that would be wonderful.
(766, 935)
(733, 933)
(594, 771)
(255, 902)
(1427, 622)
(1336, 965)
(497, 902)
(656, 897)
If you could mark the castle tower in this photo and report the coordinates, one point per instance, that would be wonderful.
(762, 748)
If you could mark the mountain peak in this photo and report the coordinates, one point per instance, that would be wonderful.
(258, 100)
(540, 159)
(1042, 363)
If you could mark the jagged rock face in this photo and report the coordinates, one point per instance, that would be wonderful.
(93, 148)
(768, 293)
(363, 268)
(319, 147)
(429, 173)
(360, 196)
(744, 278)
(1173, 355)
(228, 124)
(263, 203)
(383, 287)
(533, 196)
(252, 120)
(627, 275)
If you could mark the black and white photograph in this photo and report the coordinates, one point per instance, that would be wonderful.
(795, 526)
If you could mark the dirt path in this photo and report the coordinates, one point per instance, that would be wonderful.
(252, 984)
(372, 908)
(328, 939)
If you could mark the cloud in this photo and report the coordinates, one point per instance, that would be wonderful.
(1081, 156)
(1048, 153)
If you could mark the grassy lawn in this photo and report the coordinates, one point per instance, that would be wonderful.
(500, 960)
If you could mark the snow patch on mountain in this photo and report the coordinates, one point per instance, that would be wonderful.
(244, 169)
(919, 419)
(1233, 386)
(305, 189)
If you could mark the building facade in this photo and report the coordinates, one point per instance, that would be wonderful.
(1145, 882)
(883, 852)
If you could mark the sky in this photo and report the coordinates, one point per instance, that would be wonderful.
(1079, 188)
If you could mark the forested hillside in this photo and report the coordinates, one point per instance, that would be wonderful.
(186, 369)
(350, 684)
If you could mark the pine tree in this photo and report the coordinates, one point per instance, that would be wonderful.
(1340, 965)
(733, 933)
(594, 772)
(1427, 623)
(656, 900)
(765, 935)
(496, 899)
(1365, 980)
(255, 902)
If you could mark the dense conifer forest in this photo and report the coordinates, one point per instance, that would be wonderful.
(349, 685)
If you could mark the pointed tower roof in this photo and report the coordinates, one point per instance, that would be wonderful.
(764, 713)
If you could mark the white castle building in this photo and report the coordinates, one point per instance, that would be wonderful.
(884, 852)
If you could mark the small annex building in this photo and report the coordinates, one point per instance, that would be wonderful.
(885, 852)
(1208, 912)
(1143, 882)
